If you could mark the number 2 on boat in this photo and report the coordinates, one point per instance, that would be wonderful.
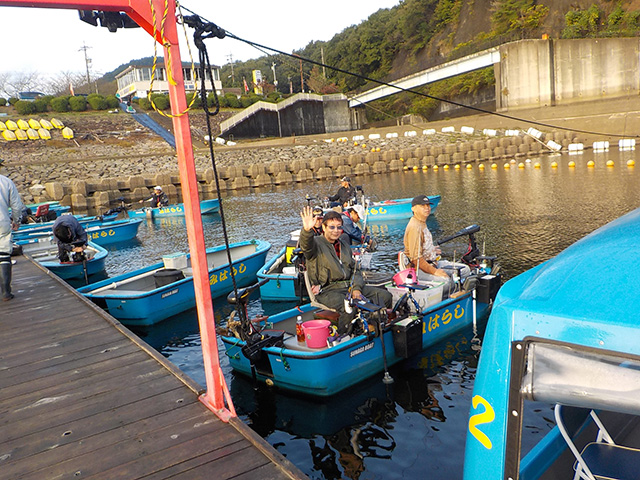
(480, 418)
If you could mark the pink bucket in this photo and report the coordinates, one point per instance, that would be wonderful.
(316, 333)
(405, 276)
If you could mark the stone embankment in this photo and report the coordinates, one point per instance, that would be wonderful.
(93, 177)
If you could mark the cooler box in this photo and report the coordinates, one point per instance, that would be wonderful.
(425, 298)
(176, 261)
(407, 337)
(487, 289)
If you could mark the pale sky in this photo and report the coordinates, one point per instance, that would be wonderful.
(48, 41)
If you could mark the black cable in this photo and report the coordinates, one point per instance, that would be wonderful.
(415, 92)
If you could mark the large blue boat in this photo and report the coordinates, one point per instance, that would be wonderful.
(399, 209)
(432, 312)
(151, 294)
(177, 210)
(562, 343)
(105, 233)
(45, 253)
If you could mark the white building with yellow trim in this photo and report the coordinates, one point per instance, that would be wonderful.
(134, 81)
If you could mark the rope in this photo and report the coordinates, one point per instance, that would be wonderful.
(416, 92)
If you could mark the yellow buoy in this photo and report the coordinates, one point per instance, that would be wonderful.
(507, 166)
(631, 163)
(435, 168)
(401, 159)
(23, 125)
(11, 125)
(373, 149)
(32, 134)
(469, 166)
(44, 134)
(34, 124)
(572, 164)
(610, 163)
(494, 165)
(591, 163)
(355, 144)
(377, 149)
(415, 168)
(405, 168)
(8, 135)
(21, 135)
(446, 167)
(364, 145)
(481, 166)
(425, 168)
(521, 165)
(512, 162)
(57, 123)
(67, 133)
(457, 167)
(536, 165)
(554, 165)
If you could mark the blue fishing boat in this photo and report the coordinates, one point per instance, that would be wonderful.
(399, 209)
(45, 252)
(151, 294)
(105, 233)
(46, 227)
(177, 210)
(562, 343)
(323, 366)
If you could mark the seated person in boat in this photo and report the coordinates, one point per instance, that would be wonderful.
(420, 249)
(331, 268)
(71, 238)
(318, 214)
(158, 198)
(345, 196)
(351, 231)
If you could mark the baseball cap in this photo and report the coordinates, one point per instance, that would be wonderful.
(157, 187)
(420, 200)
(317, 211)
(346, 179)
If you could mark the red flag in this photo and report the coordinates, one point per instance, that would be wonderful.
(246, 87)
(71, 90)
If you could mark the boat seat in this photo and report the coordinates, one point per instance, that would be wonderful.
(601, 459)
(403, 261)
(312, 297)
(119, 292)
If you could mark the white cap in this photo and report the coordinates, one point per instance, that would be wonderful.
(359, 209)
(157, 187)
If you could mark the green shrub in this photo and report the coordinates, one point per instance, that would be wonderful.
(232, 100)
(197, 103)
(246, 100)
(161, 101)
(25, 108)
(144, 103)
(3, 102)
(78, 104)
(41, 105)
(97, 102)
(13, 100)
(112, 101)
(60, 104)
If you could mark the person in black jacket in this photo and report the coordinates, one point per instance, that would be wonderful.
(346, 194)
(70, 236)
(158, 198)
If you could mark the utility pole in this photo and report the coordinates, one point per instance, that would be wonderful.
(324, 70)
(233, 78)
(301, 78)
(290, 84)
(87, 62)
(273, 68)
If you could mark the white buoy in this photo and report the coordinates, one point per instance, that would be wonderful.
(448, 129)
(429, 131)
(374, 136)
(512, 133)
(410, 133)
(600, 146)
(554, 146)
(574, 147)
(356, 138)
(627, 143)
(467, 130)
(489, 132)
(534, 133)
(392, 135)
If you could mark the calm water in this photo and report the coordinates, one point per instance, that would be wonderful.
(416, 427)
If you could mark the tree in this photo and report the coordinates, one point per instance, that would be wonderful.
(319, 84)
(61, 84)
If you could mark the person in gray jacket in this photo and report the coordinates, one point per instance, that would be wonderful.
(332, 268)
(9, 198)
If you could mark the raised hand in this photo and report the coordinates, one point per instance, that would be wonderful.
(308, 220)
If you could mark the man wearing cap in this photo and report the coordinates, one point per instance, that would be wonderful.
(9, 199)
(345, 195)
(158, 198)
(70, 236)
(419, 247)
(332, 269)
(318, 214)
(351, 231)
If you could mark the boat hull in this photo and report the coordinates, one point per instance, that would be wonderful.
(327, 371)
(103, 234)
(144, 308)
(399, 209)
(281, 287)
(45, 254)
(206, 207)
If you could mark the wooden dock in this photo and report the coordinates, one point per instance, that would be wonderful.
(82, 397)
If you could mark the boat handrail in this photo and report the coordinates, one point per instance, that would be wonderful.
(115, 285)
